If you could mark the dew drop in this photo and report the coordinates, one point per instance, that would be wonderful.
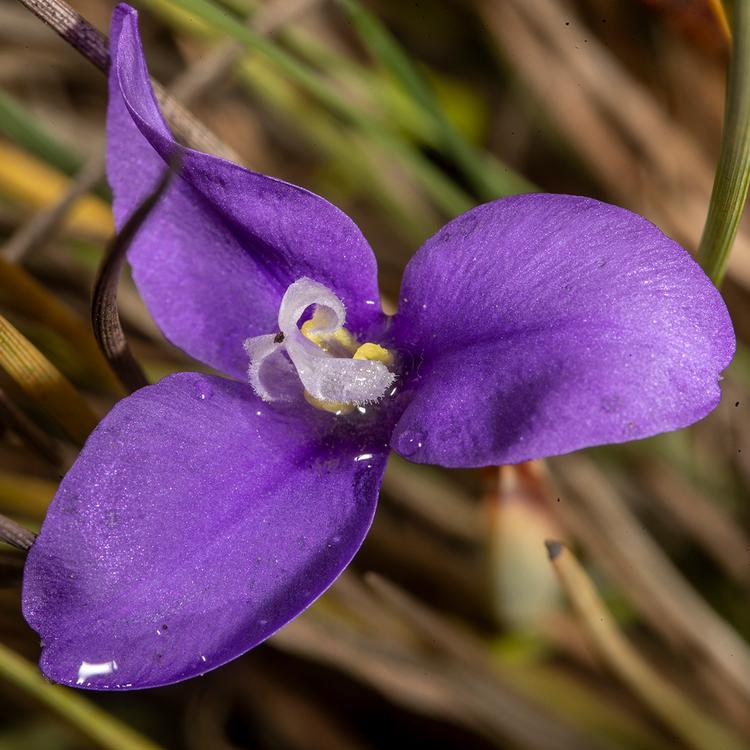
(363, 457)
(203, 391)
(95, 669)
(411, 441)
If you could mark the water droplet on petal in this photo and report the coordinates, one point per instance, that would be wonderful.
(203, 390)
(411, 441)
(363, 457)
(95, 669)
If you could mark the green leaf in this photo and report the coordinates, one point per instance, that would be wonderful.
(450, 198)
(22, 128)
(733, 171)
(488, 176)
(69, 707)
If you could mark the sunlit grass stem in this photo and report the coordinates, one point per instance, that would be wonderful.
(69, 707)
(733, 171)
(685, 719)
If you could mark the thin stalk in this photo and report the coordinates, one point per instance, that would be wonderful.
(685, 719)
(44, 384)
(105, 316)
(69, 707)
(489, 177)
(14, 534)
(733, 171)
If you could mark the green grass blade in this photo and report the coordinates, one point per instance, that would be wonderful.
(22, 128)
(450, 198)
(488, 177)
(733, 171)
(69, 707)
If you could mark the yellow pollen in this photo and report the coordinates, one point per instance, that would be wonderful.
(374, 352)
(341, 342)
(335, 342)
(335, 407)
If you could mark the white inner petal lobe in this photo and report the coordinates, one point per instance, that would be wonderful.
(279, 362)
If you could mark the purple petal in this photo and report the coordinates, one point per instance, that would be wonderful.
(195, 523)
(223, 245)
(545, 324)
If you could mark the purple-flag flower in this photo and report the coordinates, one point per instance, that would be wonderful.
(206, 512)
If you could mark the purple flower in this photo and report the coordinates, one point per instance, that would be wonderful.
(205, 512)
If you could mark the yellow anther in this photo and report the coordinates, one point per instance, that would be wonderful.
(374, 352)
(334, 342)
(335, 407)
(343, 344)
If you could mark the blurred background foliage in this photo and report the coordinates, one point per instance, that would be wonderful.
(452, 628)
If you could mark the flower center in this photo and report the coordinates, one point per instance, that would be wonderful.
(336, 372)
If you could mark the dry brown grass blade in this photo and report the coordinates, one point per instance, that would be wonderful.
(24, 294)
(716, 531)
(645, 159)
(654, 584)
(14, 534)
(686, 720)
(441, 502)
(46, 387)
(45, 224)
(427, 683)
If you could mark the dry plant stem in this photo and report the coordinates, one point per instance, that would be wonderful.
(16, 535)
(697, 730)
(44, 384)
(671, 605)
(43, 226)
(73, 28)
(188, 87)
(92, 44)
(645, 159)
(442, 686)
(35, 438)
(105, 317)
(733, 171)
(710, 525)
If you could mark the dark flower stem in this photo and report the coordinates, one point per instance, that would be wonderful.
(16, 535)
(733, 171)
(105, 318)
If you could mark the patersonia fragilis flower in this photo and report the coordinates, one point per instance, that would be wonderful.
(205, 512)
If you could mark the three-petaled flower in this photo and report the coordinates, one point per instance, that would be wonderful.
(206, 512)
